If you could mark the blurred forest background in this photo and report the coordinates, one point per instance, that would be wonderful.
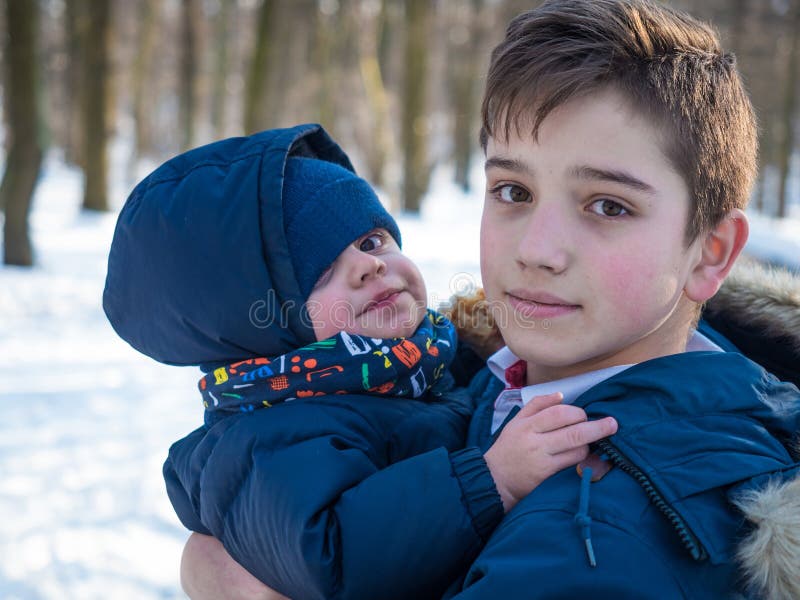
(396, 82)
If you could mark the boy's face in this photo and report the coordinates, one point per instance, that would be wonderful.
(583, 253)
(371, 289)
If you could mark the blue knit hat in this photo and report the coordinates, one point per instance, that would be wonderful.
(326, 208)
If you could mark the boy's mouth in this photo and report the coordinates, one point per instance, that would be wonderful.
(540, 305)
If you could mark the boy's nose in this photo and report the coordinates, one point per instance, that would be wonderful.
(543, 243)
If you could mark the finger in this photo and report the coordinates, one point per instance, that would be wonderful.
(578, 435)
(568, 459)
(539, 403)
(556, 417)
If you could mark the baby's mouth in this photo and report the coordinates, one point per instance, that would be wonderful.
(384, 299)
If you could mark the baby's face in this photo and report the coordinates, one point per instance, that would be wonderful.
(371, 289)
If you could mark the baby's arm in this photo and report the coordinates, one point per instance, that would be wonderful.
(303, 497)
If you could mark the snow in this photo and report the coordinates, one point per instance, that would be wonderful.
(86, 421)
(776, 241)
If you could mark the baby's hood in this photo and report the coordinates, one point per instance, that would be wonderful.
(199, 271)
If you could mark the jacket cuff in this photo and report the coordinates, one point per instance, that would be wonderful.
(479, 491)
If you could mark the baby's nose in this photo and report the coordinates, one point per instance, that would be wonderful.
(363, 266)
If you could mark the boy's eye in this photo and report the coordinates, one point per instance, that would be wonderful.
(608, 208)
(371, 242)
(508, 192)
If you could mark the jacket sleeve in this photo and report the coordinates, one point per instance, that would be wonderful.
(548, 559)
(310, 502)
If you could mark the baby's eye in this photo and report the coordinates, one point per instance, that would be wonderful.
(608, 208)
(371, 241)
(508, 192)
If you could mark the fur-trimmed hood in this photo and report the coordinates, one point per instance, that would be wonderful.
(758, 310)
(766, 298)
(769, 556)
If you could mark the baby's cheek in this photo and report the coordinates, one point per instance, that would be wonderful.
(321, 310)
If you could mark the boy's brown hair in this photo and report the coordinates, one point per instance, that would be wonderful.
(669, 66)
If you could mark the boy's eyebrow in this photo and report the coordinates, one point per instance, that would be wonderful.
(582, 172)
(507, 164)
(621, 177)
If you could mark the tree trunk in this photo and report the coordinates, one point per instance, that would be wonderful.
(24, 151)
(377, 98)
(326, 67)
(96, 105)
(258, 75)
(789, 110)
(76, 22)
(738, 15)
(221, 66)
(290, 63)
(464, 63)
(416, 172)
(188, 76)
(388, 27)
(142, 99)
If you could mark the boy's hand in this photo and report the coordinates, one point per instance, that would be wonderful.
(542, 439)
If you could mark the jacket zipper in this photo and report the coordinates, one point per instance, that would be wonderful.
(688, 538)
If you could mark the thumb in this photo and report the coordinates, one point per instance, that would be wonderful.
(538, 403)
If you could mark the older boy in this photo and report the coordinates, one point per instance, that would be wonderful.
(620, 150)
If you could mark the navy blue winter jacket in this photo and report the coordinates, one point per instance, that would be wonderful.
(698, 432)
(314, 498)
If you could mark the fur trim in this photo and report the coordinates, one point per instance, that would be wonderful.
(474, 322)
(765, 298)
(770, 555)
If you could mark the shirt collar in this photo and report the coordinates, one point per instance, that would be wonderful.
(509, 369)
(574, 386)
(700, 343)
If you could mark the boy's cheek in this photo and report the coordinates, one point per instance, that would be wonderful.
(638, 290)
(496, 258)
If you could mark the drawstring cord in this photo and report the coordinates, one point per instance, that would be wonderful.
(582, 518)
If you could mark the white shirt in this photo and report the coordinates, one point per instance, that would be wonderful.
(572, 387)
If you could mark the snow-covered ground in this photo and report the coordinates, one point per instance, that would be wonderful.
(86, 421)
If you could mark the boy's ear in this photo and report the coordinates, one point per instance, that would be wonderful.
(718, 249)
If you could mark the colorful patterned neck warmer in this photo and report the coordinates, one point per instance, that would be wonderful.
(343, 364)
